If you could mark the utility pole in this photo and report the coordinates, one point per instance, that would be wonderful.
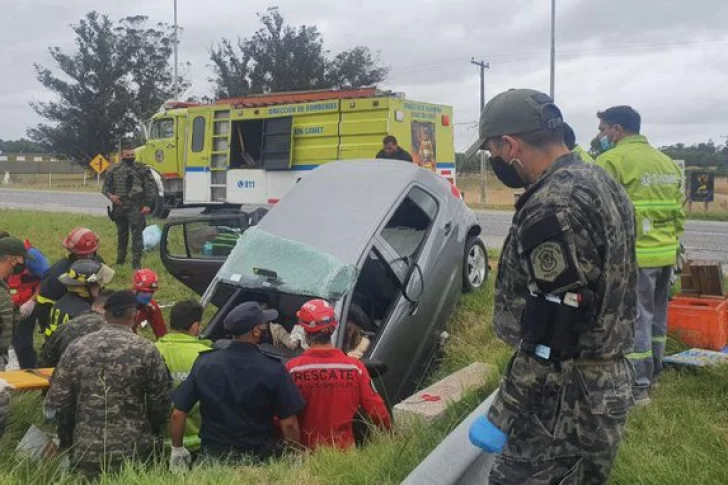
(553, 47)
(176, 59)
(483, 66)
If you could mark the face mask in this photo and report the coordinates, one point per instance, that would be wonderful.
(506, 173)
(128, 161)
(606, 143)
(144, 298)
(18, 268)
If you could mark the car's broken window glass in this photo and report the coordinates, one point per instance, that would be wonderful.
(262, 260)
(407, 229)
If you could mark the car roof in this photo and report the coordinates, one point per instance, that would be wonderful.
(338, 207)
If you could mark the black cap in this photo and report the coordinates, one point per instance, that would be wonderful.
(10, 246)
(246, 316)
(119, 301)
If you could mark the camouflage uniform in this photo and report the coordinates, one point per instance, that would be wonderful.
(135, 186)
(54, 347)
(7, 318)
(574, 228)
(114, 390)
(4, 408)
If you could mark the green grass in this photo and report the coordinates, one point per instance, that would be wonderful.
(681, 438)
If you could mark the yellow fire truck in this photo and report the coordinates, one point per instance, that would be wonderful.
(252, 150)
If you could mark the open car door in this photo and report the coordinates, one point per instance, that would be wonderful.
(194, 249)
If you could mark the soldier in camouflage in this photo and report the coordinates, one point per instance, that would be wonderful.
(83, 324)
(112, 390)
(131, 189)
(565, 297)
(12, 261)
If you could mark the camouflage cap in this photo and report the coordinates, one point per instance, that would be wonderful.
(513, 112)
(10, 246)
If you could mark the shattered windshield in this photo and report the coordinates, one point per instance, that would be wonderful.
(261, 260)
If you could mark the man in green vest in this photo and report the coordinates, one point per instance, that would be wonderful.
(570, 142)
(180, 348)
(653, 183)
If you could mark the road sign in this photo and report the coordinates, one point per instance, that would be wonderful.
(99, 164)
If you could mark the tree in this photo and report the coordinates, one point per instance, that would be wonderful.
(279, 57)
(118, 76)
(20, 146)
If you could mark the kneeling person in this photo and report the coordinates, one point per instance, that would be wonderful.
(180, 349)
(334, 385)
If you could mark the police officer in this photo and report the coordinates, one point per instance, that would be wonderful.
(240, 390)
(570, 141)
(131, 189)
(84, 281)
(112, 393)
(12, 261)
(333, 385)
(565, 298)
(654, 185)
(80, 243)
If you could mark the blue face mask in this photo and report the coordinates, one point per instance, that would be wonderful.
(606, 143)
(144, 298)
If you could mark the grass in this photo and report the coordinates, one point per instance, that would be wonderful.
(681, 438)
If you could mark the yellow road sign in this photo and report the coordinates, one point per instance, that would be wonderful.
(99, 164)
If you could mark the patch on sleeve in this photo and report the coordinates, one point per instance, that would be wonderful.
(548, 261)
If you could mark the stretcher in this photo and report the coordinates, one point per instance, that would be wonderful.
(28, 379)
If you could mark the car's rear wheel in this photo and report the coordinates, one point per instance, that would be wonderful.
(475, 265)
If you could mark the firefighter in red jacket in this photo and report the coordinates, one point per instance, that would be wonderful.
(333, 385)
(146, 284)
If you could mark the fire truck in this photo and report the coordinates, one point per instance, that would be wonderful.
(252, 150)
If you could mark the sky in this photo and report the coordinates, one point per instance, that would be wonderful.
(667, 59)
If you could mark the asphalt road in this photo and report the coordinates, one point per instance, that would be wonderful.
(703, 239)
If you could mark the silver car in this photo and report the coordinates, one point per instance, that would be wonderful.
(391, 245)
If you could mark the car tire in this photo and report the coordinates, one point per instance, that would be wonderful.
(475, 265)
(159, 209)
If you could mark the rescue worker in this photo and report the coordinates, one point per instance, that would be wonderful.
(240, 390)
(80, 243)
(84, 281)
(131, 189)
(392, 151)
(333, 384)
(24, 291)
(180, 348)
(146, 283)
(570, 142)
(84, 324)
(113, 390)
(13, 256)
(565, 298)
(654, 185)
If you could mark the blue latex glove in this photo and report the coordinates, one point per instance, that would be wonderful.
(485, 435)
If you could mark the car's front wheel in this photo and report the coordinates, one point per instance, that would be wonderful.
(475, 265)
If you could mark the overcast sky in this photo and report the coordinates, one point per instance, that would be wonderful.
(667, 58)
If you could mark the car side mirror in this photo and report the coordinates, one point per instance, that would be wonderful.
(415, 285)
(376, 368)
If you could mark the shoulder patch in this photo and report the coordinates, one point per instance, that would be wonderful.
(548, 261)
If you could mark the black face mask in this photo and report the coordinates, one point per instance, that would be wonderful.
(18, 268)
(506, 173)
(128, 160)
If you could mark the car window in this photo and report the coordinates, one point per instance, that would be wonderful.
(162, 129)
(211, 239)
(198, 134)
(406, 231)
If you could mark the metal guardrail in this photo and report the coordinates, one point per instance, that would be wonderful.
(456, 461)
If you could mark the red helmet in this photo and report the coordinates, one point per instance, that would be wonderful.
(81, 241)
(316, 315)
(145, 280)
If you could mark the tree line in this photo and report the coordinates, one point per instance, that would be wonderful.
(120, 73)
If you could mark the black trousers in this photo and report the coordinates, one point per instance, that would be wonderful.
(23, 342)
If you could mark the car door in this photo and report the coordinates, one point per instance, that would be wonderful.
(193, 250)
(409, 244)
